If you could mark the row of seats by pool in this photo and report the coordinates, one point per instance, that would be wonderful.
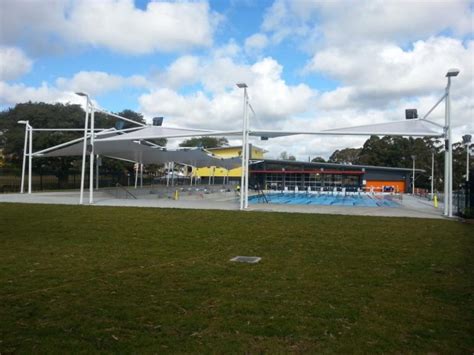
(333, 192)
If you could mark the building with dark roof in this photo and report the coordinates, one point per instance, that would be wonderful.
(271, 174)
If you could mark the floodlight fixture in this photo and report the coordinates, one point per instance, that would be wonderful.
(157, 121)
(452, 72)
(411, 113)
(242, 85)
(466, 139)
(82, 94)
(22, 122)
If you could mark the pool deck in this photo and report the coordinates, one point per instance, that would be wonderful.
(410, 206)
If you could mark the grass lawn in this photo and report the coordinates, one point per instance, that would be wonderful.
(104, 279)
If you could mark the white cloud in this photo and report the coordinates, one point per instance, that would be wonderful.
(255, 43)
(96, 83)
(343, 21)
(11, 94)
(272, 98)
(183, 71)
(13, 63)
(216, 72)
(114, 24)
(378, 74)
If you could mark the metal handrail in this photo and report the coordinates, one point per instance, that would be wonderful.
(126, 190)
(261, 194)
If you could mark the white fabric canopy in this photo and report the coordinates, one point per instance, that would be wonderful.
(125, 146)
(156, 132)
(146, 154)
(414, 128)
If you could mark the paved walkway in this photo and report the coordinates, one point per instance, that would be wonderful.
(410, 206)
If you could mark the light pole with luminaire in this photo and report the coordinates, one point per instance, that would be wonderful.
(84, 148)
(413, 184)
(244, 174)
(448, 170)
(466, 139)
(23, 168)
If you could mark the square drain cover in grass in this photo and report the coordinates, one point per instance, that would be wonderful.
(247, 259)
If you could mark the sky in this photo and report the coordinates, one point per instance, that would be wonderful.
(309, 65)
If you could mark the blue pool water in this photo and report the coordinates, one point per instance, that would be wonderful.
(327, 200)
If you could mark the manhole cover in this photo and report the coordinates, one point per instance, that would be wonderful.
(246, 259)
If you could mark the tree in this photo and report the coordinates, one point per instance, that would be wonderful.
(318, 160)
(205, 142)
(51, 116)
(345, 156)
(285, 156)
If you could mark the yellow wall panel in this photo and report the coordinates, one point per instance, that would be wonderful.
(227, 152)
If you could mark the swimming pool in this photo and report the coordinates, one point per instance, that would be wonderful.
(361, 200)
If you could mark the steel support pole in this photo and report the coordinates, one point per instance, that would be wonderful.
(413, 185)
(84, 155)
(467, 162)
(141, 175)
(23, 168)
(97, 172)
(244, 136)
(91, 158)
(432, 175)
(30, 159)
(172, 173)
(446, 153)
(247, 157)
(136, 174)
(450, 153)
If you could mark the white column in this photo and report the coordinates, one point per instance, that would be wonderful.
(91, 159)
(467, 162)
(432, 174)
(84, 151)
(450, 153)
(248, 153)
(172, 173)
(446, 153)
(244, 136)
(23, 168)
(97, 172)
(141, 175)
(413, 185)
(247, 170)
(135, 166)
(30, 160)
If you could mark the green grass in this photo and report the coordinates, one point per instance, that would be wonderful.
(103, 279)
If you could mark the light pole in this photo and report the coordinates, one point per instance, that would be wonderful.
(432, 173)
(25, 146)
(84, 148)
(244, 174)
(413, 184)
(448, 184)
(466, 139)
